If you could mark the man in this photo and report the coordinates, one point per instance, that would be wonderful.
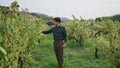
(60, 38)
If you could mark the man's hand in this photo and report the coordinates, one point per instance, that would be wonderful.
(63, 45)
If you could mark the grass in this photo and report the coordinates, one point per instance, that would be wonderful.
(75, 56)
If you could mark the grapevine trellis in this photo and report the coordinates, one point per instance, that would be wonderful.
(105, 34)
(18, 37)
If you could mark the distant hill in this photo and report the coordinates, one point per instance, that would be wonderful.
(113, 17)
(29, 16)
(43, 16)
(65, 19)
(48, 18)
(3, 8)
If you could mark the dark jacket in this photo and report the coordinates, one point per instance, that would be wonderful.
(59, 33)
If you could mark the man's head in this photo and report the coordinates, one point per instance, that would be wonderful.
(56, 21)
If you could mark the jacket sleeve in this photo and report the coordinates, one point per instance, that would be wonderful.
(48, 31)
(64, 34)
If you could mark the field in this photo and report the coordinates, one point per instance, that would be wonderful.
(92, 43)
(75, 56)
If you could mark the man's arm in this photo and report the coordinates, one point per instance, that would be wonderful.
(48, 31)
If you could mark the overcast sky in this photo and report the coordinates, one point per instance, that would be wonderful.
(67, 8)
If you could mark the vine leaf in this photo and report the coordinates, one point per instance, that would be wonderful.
(3, 50)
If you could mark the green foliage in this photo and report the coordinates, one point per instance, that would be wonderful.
(79, 30)
(18, 37)
(106, 33)
(108, 41)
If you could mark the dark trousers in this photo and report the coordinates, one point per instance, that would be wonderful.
(59, 52)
